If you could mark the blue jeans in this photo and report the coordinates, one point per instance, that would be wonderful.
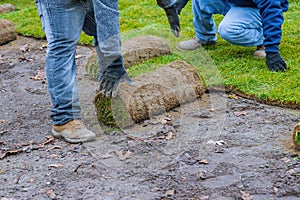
(240, 25)
(63, 21)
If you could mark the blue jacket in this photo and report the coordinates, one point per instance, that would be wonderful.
(272, 19)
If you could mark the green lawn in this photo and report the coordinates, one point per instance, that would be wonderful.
(223, 64)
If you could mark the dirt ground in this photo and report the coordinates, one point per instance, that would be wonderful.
(220, 147)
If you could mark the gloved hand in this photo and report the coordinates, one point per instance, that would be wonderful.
(111, 78)
(275, 62)
(180, 4)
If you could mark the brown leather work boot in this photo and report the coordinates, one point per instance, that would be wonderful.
(73, 132)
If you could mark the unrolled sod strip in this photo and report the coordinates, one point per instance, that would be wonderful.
(153, 93)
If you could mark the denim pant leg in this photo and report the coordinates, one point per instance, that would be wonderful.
(108, 32)
(242, 26)
(204, 24)
(62, 22)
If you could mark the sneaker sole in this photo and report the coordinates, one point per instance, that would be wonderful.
(186, 49)
(202, 45)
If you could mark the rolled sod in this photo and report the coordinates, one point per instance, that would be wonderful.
(8, 31)
(156, 92)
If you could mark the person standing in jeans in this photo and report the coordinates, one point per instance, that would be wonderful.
(63, 21)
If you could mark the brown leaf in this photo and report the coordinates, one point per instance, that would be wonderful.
(9, 152)
(54, 147)
(56, 165)
(233, 96)
(107, 155)
(219, 143)
(5, 131)
(25, 59)
(50, 194)
(124, 156)
(44, 46)
(3, 121)
(286, 160)
(170, 193)
(246, 196)
(25, 48)
(41, 75)
(53, 156)
(240, 113)
(111, 193)
(204, 161)
(204, 197)
(169, 136)
(49, 139)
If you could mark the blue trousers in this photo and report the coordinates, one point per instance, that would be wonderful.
(63, 21)
(240, 25)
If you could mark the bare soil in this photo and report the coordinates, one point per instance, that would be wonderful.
(220, 147)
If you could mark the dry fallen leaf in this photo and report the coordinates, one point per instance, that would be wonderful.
(124, 156)
(220, 142)
(170, 193)
(53, 156)
(204, 197)
(41, 75)
(286, 160)
(25, 48)
(25, 59)
(107, 155)
(56, 165)
(110, 193)
(246, 196)
(233, 96)
(54, 147)
(50, 194)
(169, 136)
(204, 161)
(241, 113)
(10, 152)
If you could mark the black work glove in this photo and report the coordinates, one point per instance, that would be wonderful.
(111, 78)
(275, 62)
(180, 4)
